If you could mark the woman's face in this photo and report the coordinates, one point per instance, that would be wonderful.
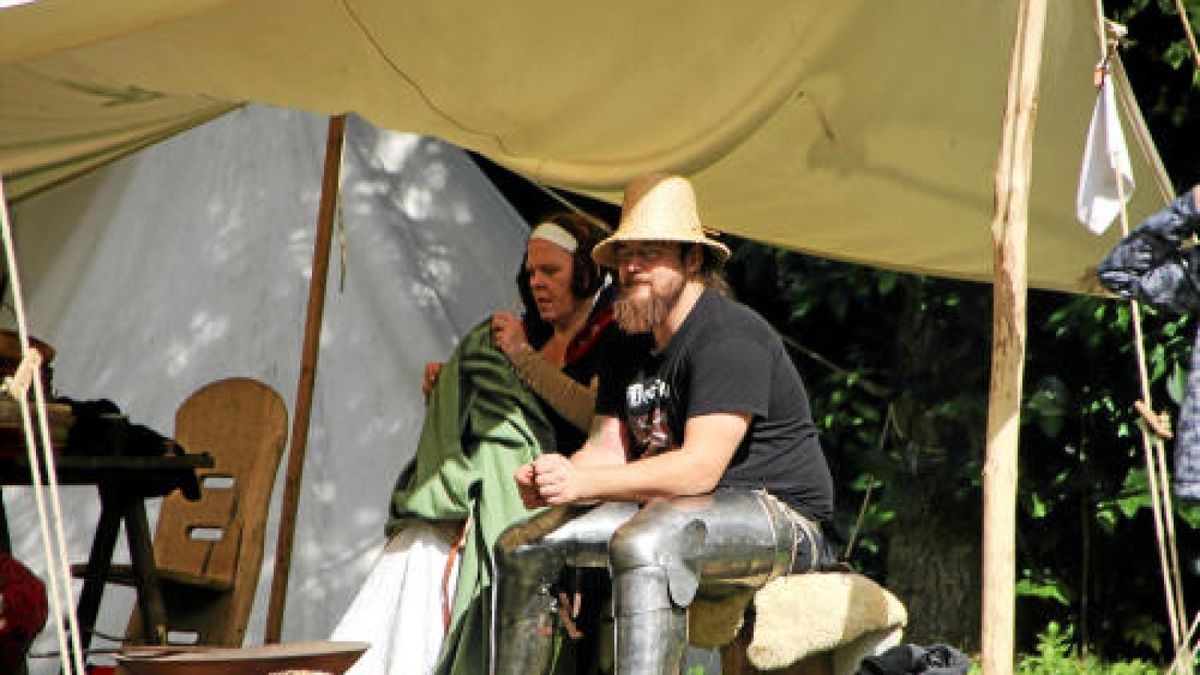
(549, 268)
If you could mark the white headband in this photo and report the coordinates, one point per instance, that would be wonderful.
(557, 235)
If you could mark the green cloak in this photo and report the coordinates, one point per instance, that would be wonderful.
(481, 424)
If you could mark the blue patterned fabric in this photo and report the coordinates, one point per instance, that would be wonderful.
(1148, 265)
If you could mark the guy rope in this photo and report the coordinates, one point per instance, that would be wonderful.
(29, 375)
(1152, 426)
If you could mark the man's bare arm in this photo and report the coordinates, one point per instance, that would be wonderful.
(695, 468)
(605, 445)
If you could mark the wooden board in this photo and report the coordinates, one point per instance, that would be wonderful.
(318, 655)
(12, 429)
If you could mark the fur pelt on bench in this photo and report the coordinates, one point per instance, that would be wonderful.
(845, 613)
(798, 615)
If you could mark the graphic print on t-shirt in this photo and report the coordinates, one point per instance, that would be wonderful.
(647, 402)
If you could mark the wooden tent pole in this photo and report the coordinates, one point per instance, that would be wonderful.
(308, 375)
(1009, 230)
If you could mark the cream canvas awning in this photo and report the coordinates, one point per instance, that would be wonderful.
(856, 130)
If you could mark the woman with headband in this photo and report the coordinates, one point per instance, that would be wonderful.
(568, 310)
(514, 388)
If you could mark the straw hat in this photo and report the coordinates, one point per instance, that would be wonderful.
(658, 207)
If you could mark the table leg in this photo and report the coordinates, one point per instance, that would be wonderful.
(98, 564)
(145, 572)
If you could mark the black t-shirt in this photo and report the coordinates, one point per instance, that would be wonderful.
(724, 359)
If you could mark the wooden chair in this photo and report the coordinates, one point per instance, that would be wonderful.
(209, 552)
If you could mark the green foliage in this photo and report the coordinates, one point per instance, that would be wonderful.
(897, 370)
(1164, 77)
(1057, 655)
(1042, 584)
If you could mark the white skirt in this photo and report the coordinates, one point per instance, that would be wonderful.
(399, 608)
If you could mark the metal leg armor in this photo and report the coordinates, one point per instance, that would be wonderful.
(658, 555)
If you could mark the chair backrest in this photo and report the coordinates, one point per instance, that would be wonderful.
(209, 552)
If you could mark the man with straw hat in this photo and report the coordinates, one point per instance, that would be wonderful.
(703, 454)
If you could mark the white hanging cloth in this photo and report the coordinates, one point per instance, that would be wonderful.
(398, 609)
(1101, 197)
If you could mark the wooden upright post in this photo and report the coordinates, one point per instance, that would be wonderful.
(308, 375)
(1009, 229)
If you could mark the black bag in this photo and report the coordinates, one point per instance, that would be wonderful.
(910, 659)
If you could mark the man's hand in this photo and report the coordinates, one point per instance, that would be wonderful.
(558, 481)
(527, 487)
(554, 479)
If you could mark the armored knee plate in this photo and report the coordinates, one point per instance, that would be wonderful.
(654, 579)
(731, 536)
(654, 559)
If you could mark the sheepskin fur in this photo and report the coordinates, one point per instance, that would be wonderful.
(798, 615)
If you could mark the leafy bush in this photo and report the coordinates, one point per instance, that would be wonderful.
(1056, 655)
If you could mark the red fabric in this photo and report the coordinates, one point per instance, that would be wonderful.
(23, 610)
(587, 335)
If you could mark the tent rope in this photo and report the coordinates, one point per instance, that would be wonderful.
(1157, 473)
(1130, 110)
(54, 547)
(1187, 31)
(577, 210)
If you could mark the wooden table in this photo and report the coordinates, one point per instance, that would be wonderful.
(124, 484)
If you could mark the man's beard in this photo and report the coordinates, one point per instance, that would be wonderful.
(641, 315)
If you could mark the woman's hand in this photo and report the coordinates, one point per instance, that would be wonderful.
(432, 368)
(527, 488)
(508, 334)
